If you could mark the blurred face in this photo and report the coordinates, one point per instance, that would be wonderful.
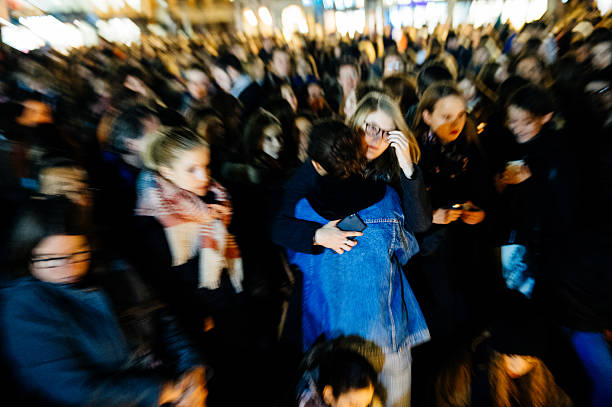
(197, 84)
(468, 88)
(376, 126)
(600, 96)
(352, 398)
(393, 64)
(529, 69)
(350, 104)
(61, 259)
(348, 78)
(222, 78)
(190, 171)
(315, 96)
(272, 143)
(523, 124)
(303, 125)
(259, 70)
(35, 113)
(601, 55)
(447, 118)
(303, 67)
(518, 366)
(288, 94)
(68, 181)
(281, 63)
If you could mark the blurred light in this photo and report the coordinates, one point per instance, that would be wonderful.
(265, 16)
(307, 3)
(21, 38)
(121, 30)
(339, 4)
(250, 17)
(134, 4)
(60, 36)
(328, 4)
(349, 22)
(349, 3)
(604, 6)
(293, 20)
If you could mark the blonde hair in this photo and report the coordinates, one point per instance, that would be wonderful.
(375, 101)
(164, 146)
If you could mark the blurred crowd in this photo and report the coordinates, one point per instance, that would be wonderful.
(350, 222)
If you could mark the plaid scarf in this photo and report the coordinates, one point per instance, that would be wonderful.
(189, 229)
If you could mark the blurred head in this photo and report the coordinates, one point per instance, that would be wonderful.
(348, 74)
(393, 64)
(61, 176)
(180, 156)
(263, 133)
(601, 48)
(209, 126)
(375, 116)
(226, 69)
(303, 67)
(197, 82)
(280, 63)
(49, 242)
(442, 109)
(430, 73)
(518, 365)
(401, 90)
(467, 88)
(288, 94)
(303, 125)
(529, 109)
(346, 379)
(531, 67)
(256, 68)
(316, 96)
(35, 111)
(128, 131)
(337, 149)
(597, 89)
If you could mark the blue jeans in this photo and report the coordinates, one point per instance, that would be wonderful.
(594, 353)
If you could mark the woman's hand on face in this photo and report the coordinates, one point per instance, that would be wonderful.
(474, 215)
(333, 238)
(400, 143)
(446, 216)
(219, 211)
(194, 392)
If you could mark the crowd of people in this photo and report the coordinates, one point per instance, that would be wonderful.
(350, 222)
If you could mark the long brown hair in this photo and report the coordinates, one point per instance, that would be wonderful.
(536, 389)
(386, 166)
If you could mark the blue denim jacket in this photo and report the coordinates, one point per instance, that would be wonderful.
(360, 292)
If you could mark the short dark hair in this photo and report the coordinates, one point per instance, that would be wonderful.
(533, 99)
(345, 370)
(227, 60)
(430, 73)
(337, 148)
(600, 35)
(39, 219)
(128, 126)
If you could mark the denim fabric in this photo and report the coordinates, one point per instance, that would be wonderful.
(594, 352)
(360, 292)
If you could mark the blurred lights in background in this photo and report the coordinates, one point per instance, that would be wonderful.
(265, 16)
(250, 17)
(121, 30)
(61, 36)
(293, 20)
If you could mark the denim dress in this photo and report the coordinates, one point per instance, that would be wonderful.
(364, 291)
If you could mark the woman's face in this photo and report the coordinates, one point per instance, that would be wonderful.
(517, 366)
(447, 119)
(272, 143)
(303, 125)
(190, 170)
(376, 126)
(61, 259)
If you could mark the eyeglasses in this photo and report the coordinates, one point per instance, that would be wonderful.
(376, 132)
(599, 91)
(61, 261)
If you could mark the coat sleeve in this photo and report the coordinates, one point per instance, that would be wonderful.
(288, 231)
(46, 363)
(418, 214)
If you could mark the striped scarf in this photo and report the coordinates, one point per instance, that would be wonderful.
(190, 230)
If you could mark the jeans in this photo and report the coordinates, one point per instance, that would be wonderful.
(594, 353)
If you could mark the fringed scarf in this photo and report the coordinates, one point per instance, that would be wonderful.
(190, 230)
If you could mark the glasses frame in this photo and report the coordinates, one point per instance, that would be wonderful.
(376, 132)
(69, 259)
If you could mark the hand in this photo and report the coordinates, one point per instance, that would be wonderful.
(194, 392)
(170, 392)
(400, 143)
(515, 174)
(333, 238)
(473, 216)
(446, 216)
(218, 211)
